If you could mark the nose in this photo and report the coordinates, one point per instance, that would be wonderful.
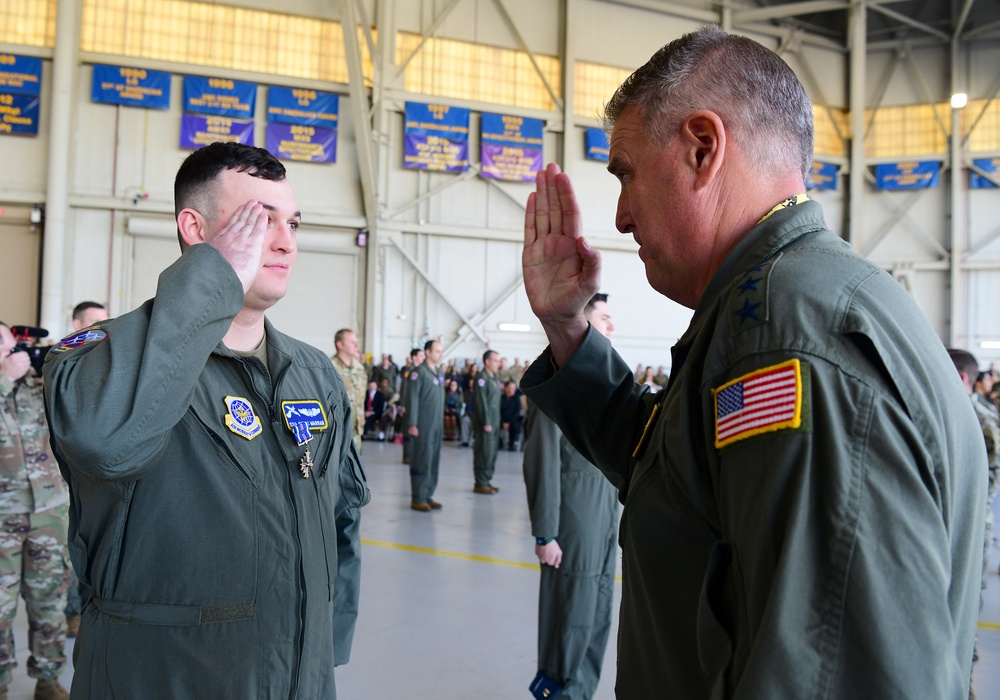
(623, 215)
(284, 238)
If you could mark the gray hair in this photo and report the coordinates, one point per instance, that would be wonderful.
(758, 97)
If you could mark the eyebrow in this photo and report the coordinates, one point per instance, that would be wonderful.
(615, 166)
(272, 208)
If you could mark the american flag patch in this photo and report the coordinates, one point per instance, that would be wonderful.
(763, 401)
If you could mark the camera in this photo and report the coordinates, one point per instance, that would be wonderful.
(23, 336)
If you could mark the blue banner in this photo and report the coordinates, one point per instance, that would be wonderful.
(987, 165)
(20, 75)
(597, 144)
(132, 87)
(302, 106)
(822, 176)
(511, 147)
(436, 137)
(313, 144)
(198, 131)
(219, 96)
(19, 114)
(907, 176)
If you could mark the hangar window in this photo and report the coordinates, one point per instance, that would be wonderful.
(594, 85)
(466, 71)
(28, 22)
(216, 35)
(828, 142)
(982, 124)
(912, 130)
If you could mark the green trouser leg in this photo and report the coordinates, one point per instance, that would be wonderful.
(484, 456)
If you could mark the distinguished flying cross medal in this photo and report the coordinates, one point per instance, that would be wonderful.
(302, 417)
(241, 418)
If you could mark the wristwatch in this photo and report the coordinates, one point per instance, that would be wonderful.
(542, 541)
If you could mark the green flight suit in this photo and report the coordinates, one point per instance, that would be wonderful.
(485, 411)
(217, 569)
(425, 409)
(835, 558)
(571, 501)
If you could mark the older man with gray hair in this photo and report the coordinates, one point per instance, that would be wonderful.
(804, 502)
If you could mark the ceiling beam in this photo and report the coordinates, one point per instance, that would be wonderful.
(791, 9)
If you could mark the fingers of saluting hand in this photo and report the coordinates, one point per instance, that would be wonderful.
(248, 221)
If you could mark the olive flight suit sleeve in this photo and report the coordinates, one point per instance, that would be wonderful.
(480, 408)
(595, 402)
(542, 473)
(832, 542)
(113, 403)
(413, 397)
(352, 495)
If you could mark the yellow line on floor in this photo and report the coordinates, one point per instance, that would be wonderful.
(453, 555)
(456, 555)
(991, 626)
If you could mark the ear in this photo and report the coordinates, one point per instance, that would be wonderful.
(192, 227)
(704, 136)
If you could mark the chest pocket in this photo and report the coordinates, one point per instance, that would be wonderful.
(238, 452)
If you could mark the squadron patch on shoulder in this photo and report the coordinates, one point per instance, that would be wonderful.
(414, 376)
(481, 382)
(241, 419)
(77, 340)
(763, 401)
(304, 416)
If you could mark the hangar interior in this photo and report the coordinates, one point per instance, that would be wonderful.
(441, 251)
(86, 212)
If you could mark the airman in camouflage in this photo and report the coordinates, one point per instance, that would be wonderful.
(34, 516)
(352, 371)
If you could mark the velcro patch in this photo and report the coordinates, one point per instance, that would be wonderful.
(77, 340)
(762, 401)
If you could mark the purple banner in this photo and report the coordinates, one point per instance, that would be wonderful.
(512, 147)
(198, 131)
(312, 144)
(436, 137)
(506, 163)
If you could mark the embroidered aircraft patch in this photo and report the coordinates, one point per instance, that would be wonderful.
(302, 417)
(762, 401)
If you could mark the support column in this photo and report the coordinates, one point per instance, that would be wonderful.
(958, 225)
(569, 147)
(858, 22)
(55, 251)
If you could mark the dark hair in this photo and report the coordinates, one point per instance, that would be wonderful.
(593, 302)
(754, 91)
(84, 306)
(965, 362)
(487, 354)
(195, 181)
(428, 344)
(338, 337)
(415, 351)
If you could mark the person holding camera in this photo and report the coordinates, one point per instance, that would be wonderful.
(34, 516)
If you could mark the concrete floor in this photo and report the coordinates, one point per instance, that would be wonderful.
(449, 599)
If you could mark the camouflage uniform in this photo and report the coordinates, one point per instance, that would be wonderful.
(989, 421)
(34, 516)
(356, 382)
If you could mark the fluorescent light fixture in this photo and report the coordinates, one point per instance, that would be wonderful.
(990, 345)
(514, 327)
(959, 100)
